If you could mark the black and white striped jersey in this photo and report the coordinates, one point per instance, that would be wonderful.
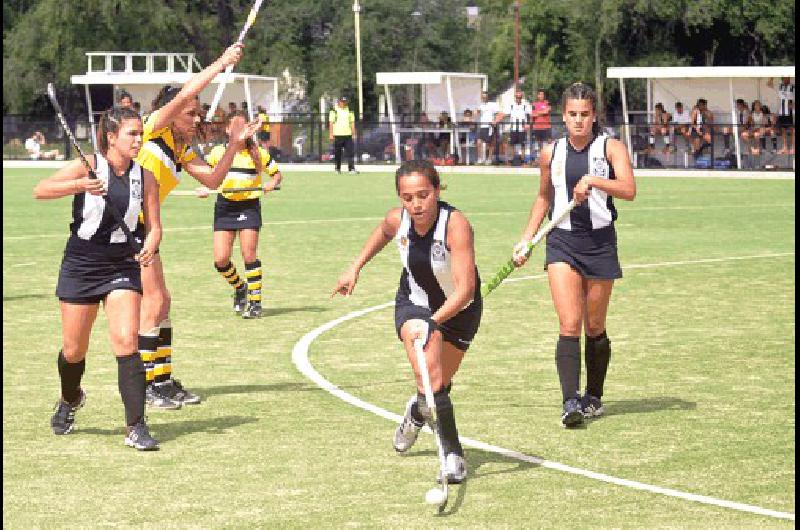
(427, 278)
(518, 114)
(91, 220)
(785, 94)
(567, 167)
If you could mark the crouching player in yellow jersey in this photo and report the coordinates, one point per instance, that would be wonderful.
(241, 212)
(168, 134)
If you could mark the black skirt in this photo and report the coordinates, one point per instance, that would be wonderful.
(89, 272)
(237, 215)
(592, 253)
(458, 331)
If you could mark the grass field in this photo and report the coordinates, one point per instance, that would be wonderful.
(699, 396)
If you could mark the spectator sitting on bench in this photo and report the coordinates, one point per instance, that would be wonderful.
(759, 123)
(682, 121)
(743, 122)
(702, 125)
(34, 145)
(660, 127)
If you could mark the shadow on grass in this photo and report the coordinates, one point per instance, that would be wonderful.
(166, 429)
(23, 297)
(646, 405)
(275, 311)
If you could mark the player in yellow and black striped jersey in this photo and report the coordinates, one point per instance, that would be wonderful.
(240, 212)
(168, 132)
(264, 133)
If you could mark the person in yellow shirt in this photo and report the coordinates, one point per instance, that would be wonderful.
(168, 133)
(240, 212)
(342, 131)
(263, 134)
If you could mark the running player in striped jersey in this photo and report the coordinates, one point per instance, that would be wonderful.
(581, 257)
(98, 266)
(240, 212)
(168, 133)
(438, 299)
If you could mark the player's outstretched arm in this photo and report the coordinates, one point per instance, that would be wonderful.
(212, 177)
(539, 209)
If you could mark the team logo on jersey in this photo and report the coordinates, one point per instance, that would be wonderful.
(136, 189)
(600, 167)
(437, 250)
(403, 242)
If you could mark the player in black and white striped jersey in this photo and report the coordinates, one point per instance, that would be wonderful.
(785, 113)
(98, 266)
(519, 113)
(581, 257)
(439, 286)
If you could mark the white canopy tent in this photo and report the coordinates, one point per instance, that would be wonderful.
(144, 74)
(720, 85)
(441, 91)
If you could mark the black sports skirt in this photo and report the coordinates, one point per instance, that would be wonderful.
(458, 331)
(592, 253)
(237, 215)
(89, 272)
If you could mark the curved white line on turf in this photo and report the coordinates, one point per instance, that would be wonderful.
(301, 361)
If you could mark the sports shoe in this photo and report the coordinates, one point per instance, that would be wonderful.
(572, 415)
(408, 430)
(591, 406)
(139, 437)
(175, 391)
(253, 310)
(239, 299)
(155, 397)
(456, 468)
(63, 419)
(353, 172)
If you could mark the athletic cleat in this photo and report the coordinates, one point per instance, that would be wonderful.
(174, 389)
(156, 397)
(239, 299)
(572, 415)
(456, 468)
(353, 172)
(408, 430)
(591, 406)
(63, 419)
(139, 437)
(253, 310)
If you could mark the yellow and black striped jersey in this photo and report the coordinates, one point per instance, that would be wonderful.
(159, 156)
(243, 172)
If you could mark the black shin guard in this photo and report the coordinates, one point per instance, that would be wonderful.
(598, 355)
(130, 376)
(568, 364)
(447, 423)
(70, 374)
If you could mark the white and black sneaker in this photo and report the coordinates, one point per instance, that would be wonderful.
(63, 419)
(572, 415)
(174, 390)
(253, 310)
(139, 438)
(456, 468)
(591, 406)
(239, 299)
(408, 430)
(156, 397)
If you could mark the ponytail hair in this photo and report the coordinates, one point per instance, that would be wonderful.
(249, 144)
(110, 122)
(164, 96)
(581, 90)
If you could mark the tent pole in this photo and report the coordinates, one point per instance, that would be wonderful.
(454, 134)
(394, 125)
(91, 116)
(735, 123)
(625, 117)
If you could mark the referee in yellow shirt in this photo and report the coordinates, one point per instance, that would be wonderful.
(342, 131)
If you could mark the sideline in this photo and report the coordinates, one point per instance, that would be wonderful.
(301, 361)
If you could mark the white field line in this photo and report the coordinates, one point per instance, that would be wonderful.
(350, 219)
(301, 361)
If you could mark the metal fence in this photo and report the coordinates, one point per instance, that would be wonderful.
(304, 138)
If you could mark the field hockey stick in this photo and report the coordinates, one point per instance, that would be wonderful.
(251, 18)
(51, 93)
(434, 495)
(509, 267)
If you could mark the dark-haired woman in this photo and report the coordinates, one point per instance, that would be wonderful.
(98, 266)
(240, 212)
(438, 298)
(581, 256)
(168, 134)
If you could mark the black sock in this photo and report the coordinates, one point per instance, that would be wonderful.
(71, 374)
(568, 364)
(598, 355)
(447, 423)
(130, 377)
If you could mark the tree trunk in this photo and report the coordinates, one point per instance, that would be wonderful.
(598, 77)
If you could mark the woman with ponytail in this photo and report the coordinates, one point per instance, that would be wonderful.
(169, 131)
(581, 257)
(240, 212)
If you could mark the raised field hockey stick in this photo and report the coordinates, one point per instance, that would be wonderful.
(434, 495)
(509, 267)
(51, 93)
(251, 18)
